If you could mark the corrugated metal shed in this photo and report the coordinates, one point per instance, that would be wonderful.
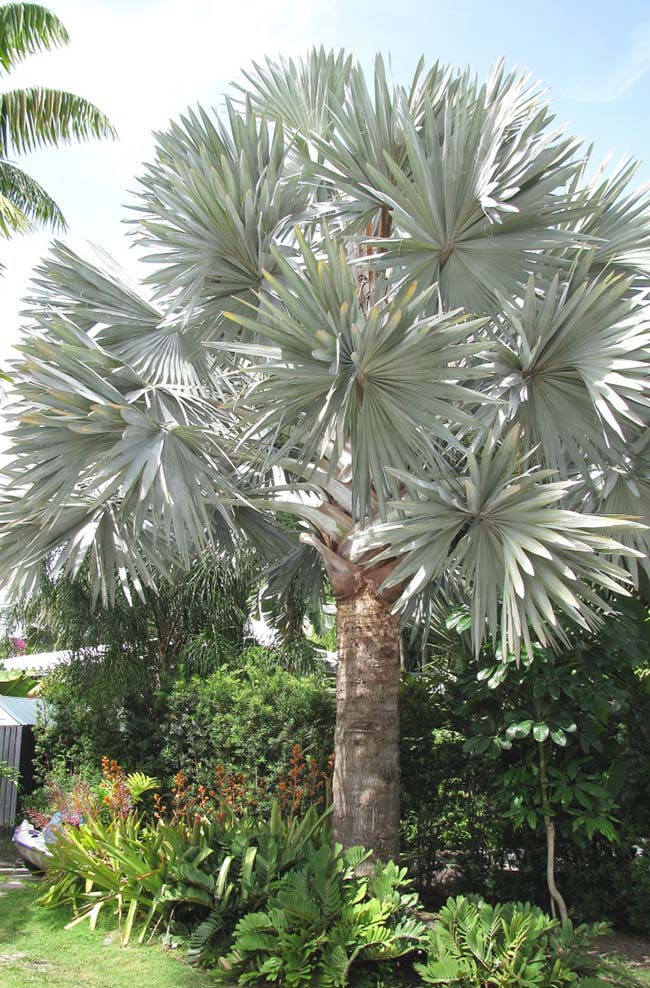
(17, 717)
(19, 710)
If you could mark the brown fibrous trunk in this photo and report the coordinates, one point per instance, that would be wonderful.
(366, 768)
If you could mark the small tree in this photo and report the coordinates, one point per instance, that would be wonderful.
(402, 314)
(553, 712)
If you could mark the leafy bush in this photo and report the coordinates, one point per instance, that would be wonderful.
(509, 945)
(323, 919)
(451, 837)
(247, 718)
(8, 773)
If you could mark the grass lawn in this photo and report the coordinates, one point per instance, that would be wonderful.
(36, 952)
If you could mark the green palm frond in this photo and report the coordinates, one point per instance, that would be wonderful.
(575, 367)
(522, 559)
(388, 380)
(37, 117)
(147, 459)
(367, 136)
(29, 197)
(81, 534)
(12, 218)
(368, 133)
(98, 297)
(27, 28)
(213, 202)
(625, 490)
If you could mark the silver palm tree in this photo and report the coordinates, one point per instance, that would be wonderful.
(404, 316)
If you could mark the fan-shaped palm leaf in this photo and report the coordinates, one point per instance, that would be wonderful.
(575, 367)
(302, 93)
(214, 201)
(617, 221)
(477, 203)
(520, 556)
(386, 379)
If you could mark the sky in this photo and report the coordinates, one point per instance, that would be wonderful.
(144, 61)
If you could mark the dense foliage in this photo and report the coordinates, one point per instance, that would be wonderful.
(271, 898)
(459, 834)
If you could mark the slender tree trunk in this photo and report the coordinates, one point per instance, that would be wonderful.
(556, 897)
(557, 900)
(366, 768)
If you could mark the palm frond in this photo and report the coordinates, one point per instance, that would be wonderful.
(521, 557)
(574, 368)
(388, 380)
(367, 134)
(145, 456)
(29, 197)
(617, 220)
(27, 28)
(302, 93)
(475, 202)
(12, 218)
(211, 205)
(37, 117)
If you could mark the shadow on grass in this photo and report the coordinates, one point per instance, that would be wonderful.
(17, 908)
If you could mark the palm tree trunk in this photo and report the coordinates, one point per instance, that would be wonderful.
(366, 768)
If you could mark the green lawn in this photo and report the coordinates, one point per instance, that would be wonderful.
(36, 952)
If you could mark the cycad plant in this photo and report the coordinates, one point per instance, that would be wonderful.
(402, 315)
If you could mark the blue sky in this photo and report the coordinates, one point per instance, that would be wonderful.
(144, 61)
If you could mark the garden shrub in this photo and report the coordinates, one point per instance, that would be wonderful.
(247, 719)
(323, 919)
(451, 838)
(197, 860)
(509, 945)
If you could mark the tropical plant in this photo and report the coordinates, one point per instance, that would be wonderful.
(12, 684)
(509, 945)
(202, 872)
(401, 314)
(555, 721)
(35, 117)
(8, 773)
(323, 920)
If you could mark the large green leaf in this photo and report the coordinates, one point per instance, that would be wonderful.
(37, 117)
(129, 469)
(575, 367)
(303, 93)
(30, 198)
(212, 203)
(476, 202)
(27, 28)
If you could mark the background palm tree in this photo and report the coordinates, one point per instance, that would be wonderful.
(35, 117)
(403, 316)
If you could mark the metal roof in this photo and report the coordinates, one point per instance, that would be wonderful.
(22, 710)
(36, 661)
